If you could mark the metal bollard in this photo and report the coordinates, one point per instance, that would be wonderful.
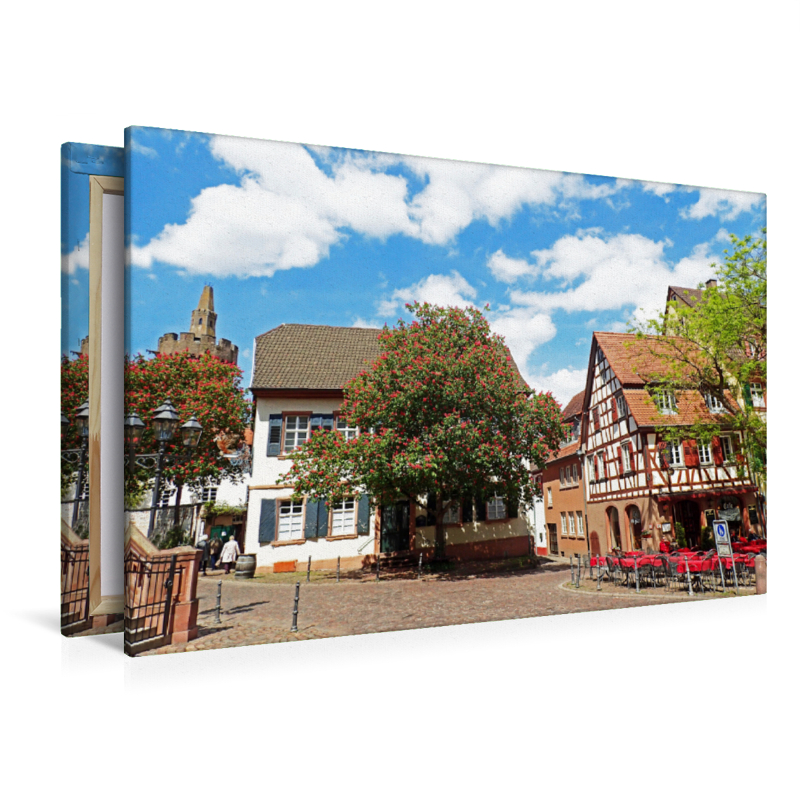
(688, 575)
(571, 571)
(599, 574)
(721, 573)
(293, 629)
(735, 579)
(219, 600)
(761, 574)
(378, 568)
(578, 574)
(338, 564)
(308, 571)
(419, 572)
(636, 572)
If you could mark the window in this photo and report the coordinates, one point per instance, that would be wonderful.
(674, 454)
(290, 520)
(574, 473)
(549, 497)
(571, 523)
(164, 496)
(561, 476)
(452, 516)
(757, 395)
(622, 406)
(704, 453)
(626, 456)
(601, 467)
(579, 521)
(596, 418)
(564, 523)
(348, 431)
(209, 494)
(713, 403)
(295, 433)
(727, 448)
(665, 401)
(343, 518)
(590, 463)
(496, 508)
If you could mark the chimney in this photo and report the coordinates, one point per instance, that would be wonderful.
(711, 283)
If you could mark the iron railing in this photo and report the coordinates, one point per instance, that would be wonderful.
(74, 587)
(149, 594)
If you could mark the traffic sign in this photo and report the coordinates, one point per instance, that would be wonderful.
(722, 537)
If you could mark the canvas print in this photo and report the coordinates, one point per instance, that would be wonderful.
(83, 610)
(370, 392)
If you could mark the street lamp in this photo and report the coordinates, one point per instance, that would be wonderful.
(82, 418)
(191, 432)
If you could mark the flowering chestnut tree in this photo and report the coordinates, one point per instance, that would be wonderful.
(201, 386)
(442, 411)
(74, 392)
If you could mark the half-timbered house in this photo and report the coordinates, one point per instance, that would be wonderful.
(642, 487)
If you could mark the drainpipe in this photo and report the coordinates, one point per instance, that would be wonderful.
(582, 457)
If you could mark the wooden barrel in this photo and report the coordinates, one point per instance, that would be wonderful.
(245, 566)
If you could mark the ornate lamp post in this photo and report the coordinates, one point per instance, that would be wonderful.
(165, 422)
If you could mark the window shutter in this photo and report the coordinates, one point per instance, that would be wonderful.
(614, 411)
(362, 523)
(266, 523)
(316, 519)
(431, 511)
(274, 442)
(619, 460)
(596, 418)
(322, 519)
(316, 422)
(594, 462)
(691, 457)
(512, 509)
(748, 397)
(466, 510)
(480, 509)
(631, 457)
(716, 450)
(327, 422)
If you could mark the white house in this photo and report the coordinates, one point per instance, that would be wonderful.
(298, 375)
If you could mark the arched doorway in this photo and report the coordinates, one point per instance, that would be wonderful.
(687, 513)
(614, 535)
(635, 526)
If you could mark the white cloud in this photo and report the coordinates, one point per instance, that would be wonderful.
(440, 290)
(523, 331)
(598, 274)
(77, 258)
(360, 322)
(722, 203)
(659, 189)
(508, 269)
(288, 212)
(564, 384)
(144, 150)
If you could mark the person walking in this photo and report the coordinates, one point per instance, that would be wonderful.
(229, 554)
(203, 545)
(215, 545)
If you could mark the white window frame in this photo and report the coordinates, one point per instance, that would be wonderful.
(496, 509)
(757, 395)
(208, 494)
(666, 403)
(294, 520)
(727, 452)
(674, 451)
(341, 425)
(549, 496)
(601, 466)
(714, 404)
(561, 481)
(579, 524)
(343, 518)
(626, 457)
(571, 520)
(705, 454)
(299, 435)
(564, 524)
(453, 514)
(575, 478)
(165, 494)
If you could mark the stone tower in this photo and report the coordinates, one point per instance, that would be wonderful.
(202, 334)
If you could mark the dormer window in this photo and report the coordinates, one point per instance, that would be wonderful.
(714, 404)
(666, 403)
(757, 395)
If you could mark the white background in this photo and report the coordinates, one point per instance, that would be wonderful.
(655, 702)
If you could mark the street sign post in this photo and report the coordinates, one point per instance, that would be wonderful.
(722, 539)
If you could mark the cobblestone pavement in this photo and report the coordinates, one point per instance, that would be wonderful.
(256, 612)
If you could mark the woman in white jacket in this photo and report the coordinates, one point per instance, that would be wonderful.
(230, 552)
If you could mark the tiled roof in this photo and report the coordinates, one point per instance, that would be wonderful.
(574, 407)
(294, 356)
(689, 296)
(312, 356)
(690, 406)
(564, 452)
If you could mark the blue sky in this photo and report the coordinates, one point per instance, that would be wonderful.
(288, 233)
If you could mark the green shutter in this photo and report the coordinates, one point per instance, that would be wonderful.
(322, 519)
(266, 523)
(512, 509)
(748, 398)
(431, 512)
(466, 510)
(480, 509)
(362, 523)
(312, 510)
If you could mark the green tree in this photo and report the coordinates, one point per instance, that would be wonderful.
(201, 386)
(719, 347)
(442, 411)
